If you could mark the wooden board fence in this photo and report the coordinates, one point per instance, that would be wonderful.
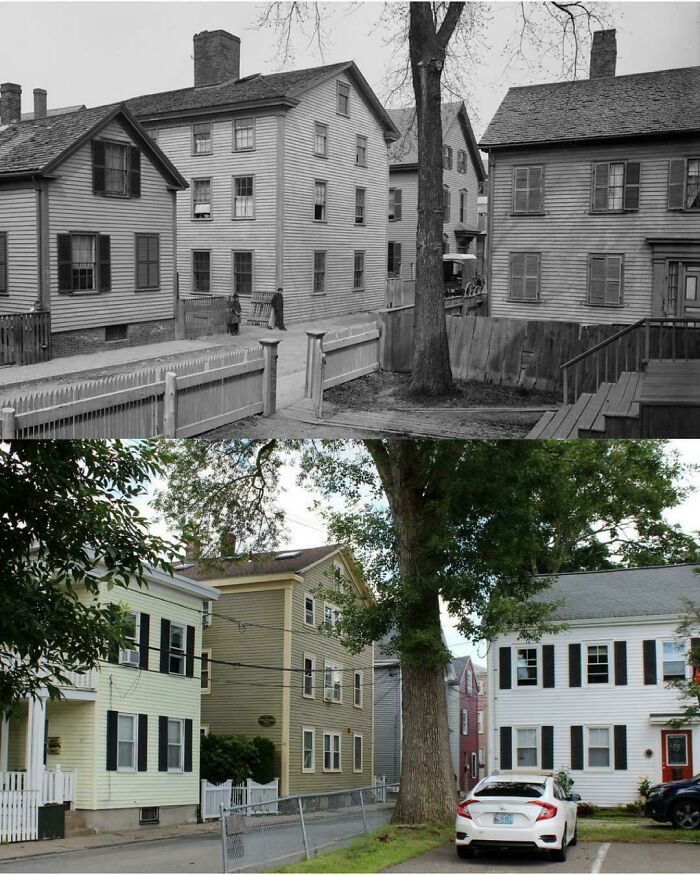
(25, 338)
(202, 316)
(19, 815)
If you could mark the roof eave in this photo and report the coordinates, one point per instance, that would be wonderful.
(515, 144)
(218, 109)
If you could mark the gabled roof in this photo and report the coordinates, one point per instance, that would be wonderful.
(404, 152)
(59, 110)
(253, 91)
(609, 107)
(36, 147)
(627, 592)
(260, 564)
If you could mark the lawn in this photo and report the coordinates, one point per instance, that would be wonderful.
(612, 827)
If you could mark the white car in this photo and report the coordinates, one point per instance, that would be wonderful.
(511, 810)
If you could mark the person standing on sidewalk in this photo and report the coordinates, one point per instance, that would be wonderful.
(234, 314)
(277, 311)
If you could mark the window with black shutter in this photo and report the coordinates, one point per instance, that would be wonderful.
(188, 746)
(116, 169)
(620, 753)
(615, 186)
(528, 190)
(189, 652)
(649, 654)
(574, 665)
(147, 261)
(506, 747)
(524, 282)
(144, 640)
(165, 646)
(162, 744)
(605, 280)
(548, 666)
(142, 746)
(547, 736)
(84, 263)
(620, 655)
(504, 668)
(684, 184)
(112, 723)
(576, 748)
(3, 264)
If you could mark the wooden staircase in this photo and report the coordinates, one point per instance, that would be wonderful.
(612, 412)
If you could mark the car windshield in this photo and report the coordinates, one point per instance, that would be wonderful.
(511, 788)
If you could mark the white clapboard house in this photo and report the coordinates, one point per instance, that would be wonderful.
(595, 698)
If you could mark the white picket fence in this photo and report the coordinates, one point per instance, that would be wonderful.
(213, 796)
(19, 806)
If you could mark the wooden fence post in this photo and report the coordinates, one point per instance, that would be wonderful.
(269, 376)
(170, 405)
(180, 320)
(380, 345)
(8, 423)
(315, 375)
(314, 348)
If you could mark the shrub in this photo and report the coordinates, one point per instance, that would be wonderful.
(643, 786)
(585, 809)
(564, 779)
(264, 771)
(634, 807)
(227, 756)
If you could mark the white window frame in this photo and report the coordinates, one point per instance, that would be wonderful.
(311, 731)
(475, 765)
(355, 736)
(210, 150)
(584, 665)
(205, 690)
(317, 125)
(183, 654)
(538, 748)
(235, 198)
(538, 665)
(480, 722)
(336, 680)
(194, 217)
(312, 694)
(324, 203)
(331, 749)
(327, 616)
(611, 747)
(356, 688)
(469, 686)
(206, 612)
(233, 133)
(361, 144)
(322, 290)
(361, 286)
(203, 729)
(181, 767)
(137, 642)
(360, 206)
(234, 253)
(464, 722)
(686, 667)
(135, 728)
(313, 609)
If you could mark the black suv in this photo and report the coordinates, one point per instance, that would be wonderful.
(677, 801)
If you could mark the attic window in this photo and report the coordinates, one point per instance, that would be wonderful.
(289, 555)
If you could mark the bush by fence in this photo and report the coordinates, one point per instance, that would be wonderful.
(228, 756)
(264, 771)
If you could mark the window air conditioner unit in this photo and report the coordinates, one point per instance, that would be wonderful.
(129, 657)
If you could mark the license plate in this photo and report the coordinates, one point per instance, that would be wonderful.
(506, 819)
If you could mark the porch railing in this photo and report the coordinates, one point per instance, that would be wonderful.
(56, 785)
(86, 680)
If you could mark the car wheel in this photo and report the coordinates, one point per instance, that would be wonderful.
(686, 814)
(464, 852)
(574, 838)
(559, 855)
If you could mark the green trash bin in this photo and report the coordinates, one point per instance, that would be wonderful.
(52, 821)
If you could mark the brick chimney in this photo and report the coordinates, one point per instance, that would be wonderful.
(603, 54)
(217, 57)
(39, 103)
(10, 103)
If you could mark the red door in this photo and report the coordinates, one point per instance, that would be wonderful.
(676, 754)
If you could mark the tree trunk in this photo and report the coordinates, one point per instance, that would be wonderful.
(431, 372)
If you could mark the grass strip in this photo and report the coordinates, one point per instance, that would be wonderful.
(645, 833)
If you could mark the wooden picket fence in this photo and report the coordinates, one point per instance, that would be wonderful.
(213, 796)
(200, 316)
(25, 338)
(186, 399)
(19, 815)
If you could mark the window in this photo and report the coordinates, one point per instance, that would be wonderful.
(526, 747)
(308, 745)
(116, 332)
(205, 671)
(129, 655)
(598, 747)
(150, 815)
(308, 687)
(319, 200)
(446, 203)
(395, 204)
(328, 616)
(147, 261)
(319, 273)
(461, 161)
(361, 151)
(83, 262)
(524, 276)
(447, 157)
(320, 140)
(673, 660)
(357, 689)
(526, 667)
(201, 199)
(201, 138)
(528, 189)
(605, 275)
(126, 743)
(204, 729)
(309, 611)
(475, 766)
(176, 663)
(206, 613)
(394, 259)
(337, 577)
(480, 722)
(153, 134)
(684, 184)
(480, 687)
(464, 724)
(331, 752)
(333, 682)
(3, 263)
(116, 169)
(244, 134)
(343, 98)
(243, 273)
(615, 186)
(357, 753)
(469, 683)
(360, 206)
(176, 745)
(597, 667)
(201, 271)
(463, 205)
(243, 203)
(358, 273)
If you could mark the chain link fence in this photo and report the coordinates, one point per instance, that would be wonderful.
(271, 834)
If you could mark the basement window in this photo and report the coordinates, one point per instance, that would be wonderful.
(115, 332)
(149, 815)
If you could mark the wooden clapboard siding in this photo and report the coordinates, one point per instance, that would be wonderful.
(454, 137)
(339, 237)
(17, 738)
(74, 207)
(403, 231)
(18, 219)
(74, 723)
(568, 232)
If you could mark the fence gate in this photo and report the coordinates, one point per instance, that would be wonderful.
(25, 338)
(260, 308)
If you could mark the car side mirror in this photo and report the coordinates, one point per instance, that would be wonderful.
(574, 797)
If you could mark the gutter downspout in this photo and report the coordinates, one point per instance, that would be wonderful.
(43, 247)
(490, 205)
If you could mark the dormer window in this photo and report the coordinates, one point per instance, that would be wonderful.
(343, 99)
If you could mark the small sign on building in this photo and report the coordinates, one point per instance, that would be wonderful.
(53, 744)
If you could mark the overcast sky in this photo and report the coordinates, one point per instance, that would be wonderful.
(96, 53)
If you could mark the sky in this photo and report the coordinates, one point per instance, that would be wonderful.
(99, 52)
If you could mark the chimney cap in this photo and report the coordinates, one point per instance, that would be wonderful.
(10, 86)
(226, 33)
(40, 91)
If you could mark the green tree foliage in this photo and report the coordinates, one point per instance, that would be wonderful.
(689, 688)
(66, 507)
(228, 756)
(264, 772)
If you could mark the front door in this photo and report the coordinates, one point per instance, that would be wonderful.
(689, 297)
(676, 754)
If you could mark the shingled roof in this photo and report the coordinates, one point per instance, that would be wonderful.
(287, 561)
(604, 108)
(634, 592)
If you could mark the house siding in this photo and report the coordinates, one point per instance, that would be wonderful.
(387, 721)
(562, 707)
(568, 231)
(74, 723)
(19, 220)
(468, 744)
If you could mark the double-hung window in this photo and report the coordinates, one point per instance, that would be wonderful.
(469, 683)
(331, 752)
(84, 262)
(597, 664)
(446, 203)
(605, 279)
(205, 671)
(615, 186)
(243, 272)
(526, 667)
(116, 168)
(319, 273)
(394, 258)
(684, 184)
(463, 205)
(357, 753)
(244, 134)
(308, 680)
(320, 140)
(526, 747)
(447, 157)
(308, 749)
(328, 616)
(357, 689)
(461, 161)
(673, 660)
(201, 271)
(309, 610)
(201, 200)
(480, 722)
(360, 194)
(243, 197)
(524, 284)
(333, 682)
(395, 196)
(129, 654)
(176, 662)
(126, 742)
(528, 189)
(361, 151)
(320, 190)
(465, 722)
(598, 747)
(4, 287)
(147, 261)
(201, 138)
(176, 745)
(343, 98)
(358, 273)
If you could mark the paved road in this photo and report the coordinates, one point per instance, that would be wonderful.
(591, 857)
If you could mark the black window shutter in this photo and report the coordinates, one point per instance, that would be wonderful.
(162, 744)
(134, 171)
(504, 671)
(676, 183)
(620, 748)
(536, 190)
(188, 745)
(632, 169)
(105, 265)
(649, 651)
(620, 663)
(98, 166)
(144, 633)
(547, 747)
(695, 653)
(165, 646)
(65, 263)
(143, 743)
(189, 653)
(577, 747)
(397, 203)
(112, 720)
(506, 747)
(600, 186)
(574, 665)
(548, 665)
